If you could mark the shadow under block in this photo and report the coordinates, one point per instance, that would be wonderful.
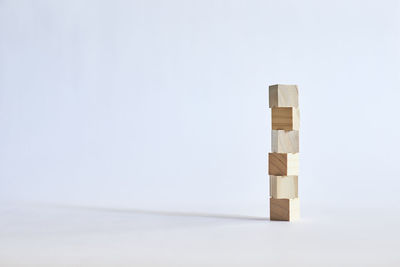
(285, 141)
(287, 119)
(283, 186)
(281, 95)
(284, 209)
(283, 164)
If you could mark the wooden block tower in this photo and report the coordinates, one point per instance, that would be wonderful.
(283, 161)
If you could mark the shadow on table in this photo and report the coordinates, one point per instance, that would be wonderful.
(170, 213)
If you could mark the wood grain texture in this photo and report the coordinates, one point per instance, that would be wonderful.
(285, 141)
(283, 164)
(284, 209)
(283, 186)
(283, 95)
(285, 119)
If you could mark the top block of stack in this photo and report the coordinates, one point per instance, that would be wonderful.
(282, 95)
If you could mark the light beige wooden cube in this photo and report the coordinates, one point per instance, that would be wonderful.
(283, 186)
(284, 209)
(283, 95)
(287, 119)
(285, 141)
(283, 164)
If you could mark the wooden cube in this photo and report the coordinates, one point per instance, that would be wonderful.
(285, 141)
(284, 209)
(283, 164)
(285, 119)
(281, 95)
(283, 186)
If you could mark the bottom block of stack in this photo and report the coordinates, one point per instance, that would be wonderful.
(284, 209)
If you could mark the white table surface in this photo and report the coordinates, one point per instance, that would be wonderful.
(57, 235)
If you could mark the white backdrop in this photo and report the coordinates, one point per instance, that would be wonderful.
(164, 103)
(152, 103)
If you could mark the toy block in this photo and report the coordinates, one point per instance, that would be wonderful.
(283, 186)
(281, 95)
(283, 164)
(284, 209)
(285, 141)
(285, 119)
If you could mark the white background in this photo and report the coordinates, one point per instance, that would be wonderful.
(150, 120)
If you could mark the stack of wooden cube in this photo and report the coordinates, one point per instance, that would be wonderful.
(284, 160)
